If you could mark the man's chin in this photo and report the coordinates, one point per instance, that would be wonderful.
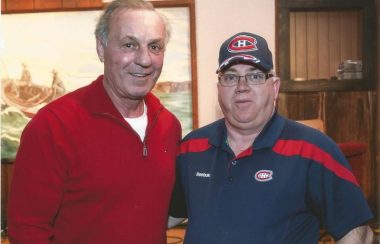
(139, 95)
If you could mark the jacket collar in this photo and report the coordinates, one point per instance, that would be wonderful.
(99, 102)
(266, 139)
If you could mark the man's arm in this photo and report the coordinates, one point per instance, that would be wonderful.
(362, 234)
(37, 184)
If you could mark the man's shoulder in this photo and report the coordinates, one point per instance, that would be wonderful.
(206, 131)
(68, 101)
(66, 108)
(297, 131)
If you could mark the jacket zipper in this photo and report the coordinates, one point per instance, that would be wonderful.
(145, 147)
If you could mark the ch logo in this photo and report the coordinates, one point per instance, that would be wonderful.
(264, 175)
(242, 43)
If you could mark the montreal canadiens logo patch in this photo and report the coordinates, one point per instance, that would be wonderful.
(264, 175)
(242, 43)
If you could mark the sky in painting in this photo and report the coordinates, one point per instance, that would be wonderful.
(64, 41)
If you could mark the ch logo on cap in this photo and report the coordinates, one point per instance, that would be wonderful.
(242, 43)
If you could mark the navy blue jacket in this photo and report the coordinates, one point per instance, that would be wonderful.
(293, 181)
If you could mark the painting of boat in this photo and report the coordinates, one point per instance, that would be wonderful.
(28, 84)
(29, 97)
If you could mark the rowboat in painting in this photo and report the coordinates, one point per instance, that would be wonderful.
(27, 96)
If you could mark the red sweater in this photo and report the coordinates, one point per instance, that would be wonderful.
(80, 175)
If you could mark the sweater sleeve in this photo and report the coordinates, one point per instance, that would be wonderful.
(37, 183)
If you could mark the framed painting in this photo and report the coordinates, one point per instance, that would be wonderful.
(54, 53)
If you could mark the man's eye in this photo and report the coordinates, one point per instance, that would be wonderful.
(254, 76)
(229, 77)
(156, 48)
(129, 45)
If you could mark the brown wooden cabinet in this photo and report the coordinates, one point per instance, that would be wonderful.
(312, 39)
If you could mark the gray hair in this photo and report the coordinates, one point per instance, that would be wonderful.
(102, 27)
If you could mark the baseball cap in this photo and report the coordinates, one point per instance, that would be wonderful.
(246, 48)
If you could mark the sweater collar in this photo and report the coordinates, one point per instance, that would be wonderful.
(99, 101)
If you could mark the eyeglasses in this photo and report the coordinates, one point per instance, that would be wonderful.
(250, 79)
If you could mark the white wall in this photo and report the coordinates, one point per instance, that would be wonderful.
(217, 20)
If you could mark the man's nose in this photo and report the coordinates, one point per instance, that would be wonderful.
(242, 85)
(143, 57)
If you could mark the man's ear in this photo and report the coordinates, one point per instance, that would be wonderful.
(276, 86)
(100, 49)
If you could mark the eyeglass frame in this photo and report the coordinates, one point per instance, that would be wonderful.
(267, 76)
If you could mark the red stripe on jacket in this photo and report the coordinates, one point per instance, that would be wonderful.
(308, 150)
(194, 145)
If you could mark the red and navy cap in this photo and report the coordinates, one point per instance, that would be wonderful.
(248, 48)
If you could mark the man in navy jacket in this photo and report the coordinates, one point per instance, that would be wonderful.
(257, 177)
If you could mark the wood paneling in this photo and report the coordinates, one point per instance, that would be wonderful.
(12, 5)
(333, 36)
(51, 4)
(349, 120)
(6, 178)
(312, 45)
(81, 3)
(376, 144)
(323, 63)
(300, 45)
(292, 29)
(300, 106)
(347, 36)
(320, 40)
(19, 6)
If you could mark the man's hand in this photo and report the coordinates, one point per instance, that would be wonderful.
(362, 234)
(174, 221)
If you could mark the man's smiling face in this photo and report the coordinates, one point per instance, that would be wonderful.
(133, 55)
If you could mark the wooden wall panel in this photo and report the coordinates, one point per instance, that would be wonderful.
(96, 3)
(6, 178)
(312, 46)
(292, 23)
(12, 5)
(359, 31)
(43, 5)
(356, 43)
(349, 120)
(345, 36)
(73, 3)
(51, 4)
(301, 45)
(299, 106)
(81, 3)
(376, 145)
(334, 43)
(323, 42)
(320, 40)
(349, 31)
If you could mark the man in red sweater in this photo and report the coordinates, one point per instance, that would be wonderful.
(97, 165)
